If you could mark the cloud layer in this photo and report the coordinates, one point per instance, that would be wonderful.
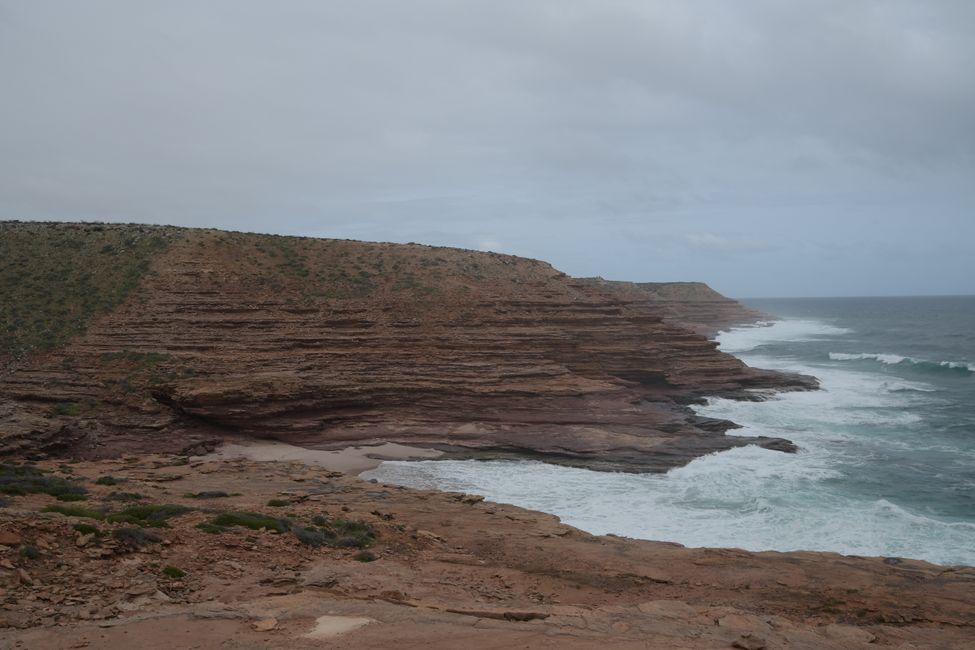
(766, 146)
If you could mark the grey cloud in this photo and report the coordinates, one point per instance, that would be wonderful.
(608, 136)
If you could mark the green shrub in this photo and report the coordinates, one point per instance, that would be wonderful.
(211, 528)
(209, 494)
(148, 515)
(30, 552)
(252, 520)
(278, 503)
(106, 480)
(173, 572)
(364, 556)
(135, 537)
(69, 408)
(75, 511)
(125, 496)
(87, 529)
(340, 533)
(26, 479)
(72, 497)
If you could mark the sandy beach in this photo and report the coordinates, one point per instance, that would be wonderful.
(350, 460)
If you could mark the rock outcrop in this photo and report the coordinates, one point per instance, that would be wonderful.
(445, 566)
(694, 305)
(324, 343)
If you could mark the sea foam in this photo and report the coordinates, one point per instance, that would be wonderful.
(896, 360)
(820, 498)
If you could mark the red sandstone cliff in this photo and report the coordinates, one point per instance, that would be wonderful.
(694, 305)
(326, 343)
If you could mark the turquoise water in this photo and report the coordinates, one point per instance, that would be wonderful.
(887, 447)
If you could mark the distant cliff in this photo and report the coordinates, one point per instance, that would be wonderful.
(325, 343)
(694, 305)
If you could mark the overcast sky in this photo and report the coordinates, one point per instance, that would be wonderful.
(767, 147)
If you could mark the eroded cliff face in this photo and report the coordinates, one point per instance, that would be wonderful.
(324, 343)
(693, 305)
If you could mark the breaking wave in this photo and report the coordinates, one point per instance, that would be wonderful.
(963, 367)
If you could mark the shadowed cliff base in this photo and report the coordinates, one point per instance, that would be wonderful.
(328, 343)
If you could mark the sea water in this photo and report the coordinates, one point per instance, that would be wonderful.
(886, 465)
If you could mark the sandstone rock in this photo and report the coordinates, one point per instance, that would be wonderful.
(849, 636)
(561, 369)
(749, 642)
(265, 624)
(24, 577)
(9, 538)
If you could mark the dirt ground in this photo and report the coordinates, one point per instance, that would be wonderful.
(441, 570)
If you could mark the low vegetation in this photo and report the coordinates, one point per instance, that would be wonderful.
(208, 494)
(135, 537)
(91, 268)
(148, 515)
(76, 511)
(20, 479)
(252, 520)
(87, 529)
(335, 533)
(173, 572)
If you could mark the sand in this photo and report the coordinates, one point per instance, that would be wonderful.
(351, 460)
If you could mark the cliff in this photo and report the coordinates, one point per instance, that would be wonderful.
(441, 571)
(326, 343)
(694, 305)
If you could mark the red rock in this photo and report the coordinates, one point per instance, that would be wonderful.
(479, 354)
(9, 538)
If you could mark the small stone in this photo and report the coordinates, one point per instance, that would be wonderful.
(139, 590)
(265, 624)
(749, 642)
(25, 577)
(9, 538)
(82, 540)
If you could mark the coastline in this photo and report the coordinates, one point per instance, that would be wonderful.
(448, 568)
(352, 460)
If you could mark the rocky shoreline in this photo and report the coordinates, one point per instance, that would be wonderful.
(193, 418)
(436, 569)
(324, 344)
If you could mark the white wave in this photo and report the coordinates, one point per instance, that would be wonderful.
(747, 498)
(896, 359)
(743, 339)
(750, 497)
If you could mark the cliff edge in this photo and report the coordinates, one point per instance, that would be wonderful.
(183, 337)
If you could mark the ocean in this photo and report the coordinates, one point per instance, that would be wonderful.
(886, 465)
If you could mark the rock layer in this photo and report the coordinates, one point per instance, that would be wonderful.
(694, 305)
(325, 343)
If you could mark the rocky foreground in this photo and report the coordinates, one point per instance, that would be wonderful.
(137, 561)
(166, 339)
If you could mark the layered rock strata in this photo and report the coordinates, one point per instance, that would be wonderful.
(693, 305)
(327, 343)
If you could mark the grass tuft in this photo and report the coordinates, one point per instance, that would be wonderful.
(18, 480)
(173, 572)
(75, 511)
(339, 533)
(209, 494)
(30, 552)
(135, 537)
(87, 529)
(148, 515)
(252, 520)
